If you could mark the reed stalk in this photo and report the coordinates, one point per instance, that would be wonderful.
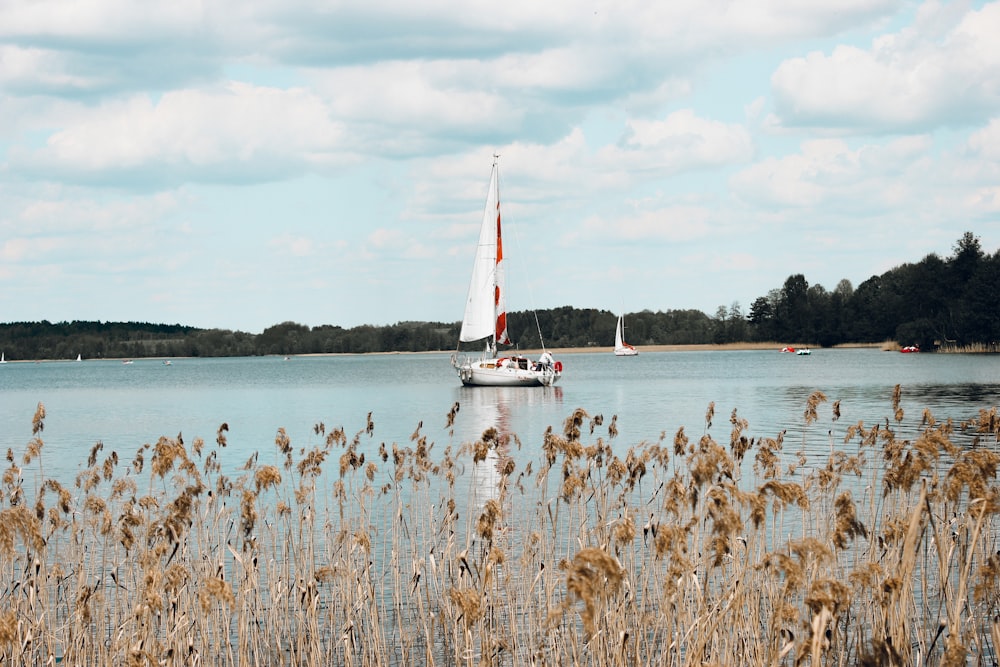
(882, 550)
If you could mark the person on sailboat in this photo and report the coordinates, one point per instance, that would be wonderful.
(545, 361)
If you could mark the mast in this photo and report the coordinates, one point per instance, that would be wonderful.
(485, 307)
(500, 336)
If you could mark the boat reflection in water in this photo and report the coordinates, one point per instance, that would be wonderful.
(489, 418)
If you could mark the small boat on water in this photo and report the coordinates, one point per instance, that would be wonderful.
(3, 358)
(803, 351)
(486, 314)
(909, 349)
(623, 349)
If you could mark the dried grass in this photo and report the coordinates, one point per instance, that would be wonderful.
(884, 553)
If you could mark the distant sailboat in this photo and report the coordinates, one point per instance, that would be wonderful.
(623, 349)
(3, 359)
(79, 358)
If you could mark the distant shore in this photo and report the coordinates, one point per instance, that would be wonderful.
(703, 347)
(706, 347)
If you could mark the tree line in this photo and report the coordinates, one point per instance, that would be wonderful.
(934, 303)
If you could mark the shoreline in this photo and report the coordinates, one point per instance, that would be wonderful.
(694, 347)
(698, 347)
(705, 347)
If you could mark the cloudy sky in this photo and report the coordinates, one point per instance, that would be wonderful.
(240, 163)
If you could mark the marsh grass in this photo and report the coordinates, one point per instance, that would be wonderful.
(717, 548)
(972, 348)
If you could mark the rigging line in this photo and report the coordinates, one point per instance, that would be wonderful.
(501, 186)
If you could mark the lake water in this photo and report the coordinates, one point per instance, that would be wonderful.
(653, 395)
(126, 405)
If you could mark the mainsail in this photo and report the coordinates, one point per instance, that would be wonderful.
(485, 308)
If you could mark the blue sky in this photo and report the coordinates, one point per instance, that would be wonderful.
(236, 164)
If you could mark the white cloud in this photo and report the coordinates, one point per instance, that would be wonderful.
(391, 80)
(294, 246)
(383, 238)
(735, 261)
(531, 173)
(981, 170)
(673, 224)
(684, 141)
(57, 211)
(436, 28)
(239, 132)
(32, 68)
(384, 246)
(827, 172)
(90, 48)
(380, 99)
(906, 81)
(985, 142)
(25, 249)
(985, 201)
(115, 20)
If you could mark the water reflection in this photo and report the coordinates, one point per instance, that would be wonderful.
(493, 416)
(965, 395)
(873, 402)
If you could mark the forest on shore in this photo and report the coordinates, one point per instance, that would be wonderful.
(936, 303)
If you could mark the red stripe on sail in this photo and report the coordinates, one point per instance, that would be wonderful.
(501, 328)
(499, 239)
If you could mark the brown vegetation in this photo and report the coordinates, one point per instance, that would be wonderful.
(689, 551)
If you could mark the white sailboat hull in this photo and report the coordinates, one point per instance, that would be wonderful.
(503, 373)
(627, 351)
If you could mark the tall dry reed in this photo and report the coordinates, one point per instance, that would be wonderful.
(690, 550)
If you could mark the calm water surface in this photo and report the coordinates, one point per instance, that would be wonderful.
(126, 405)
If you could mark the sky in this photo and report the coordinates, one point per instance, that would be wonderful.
(236, 164)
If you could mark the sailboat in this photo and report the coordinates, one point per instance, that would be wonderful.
(79, 357)
(3, 358)
(486, 314)
(623, 349)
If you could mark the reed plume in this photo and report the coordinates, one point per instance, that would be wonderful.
(878, 550)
